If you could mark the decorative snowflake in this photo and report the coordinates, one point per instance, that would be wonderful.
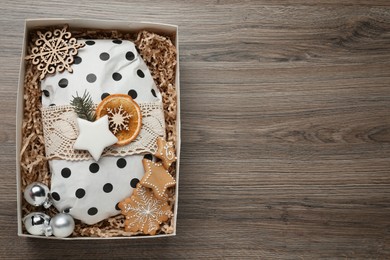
(54, 51)
(144, 212)
(118, 119)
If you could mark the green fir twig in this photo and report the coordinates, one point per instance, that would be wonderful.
(84, 106)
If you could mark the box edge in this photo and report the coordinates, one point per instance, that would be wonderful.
(29, 24)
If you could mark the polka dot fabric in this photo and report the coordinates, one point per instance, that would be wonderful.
(100, 188)
(89, 190)
(102, 66)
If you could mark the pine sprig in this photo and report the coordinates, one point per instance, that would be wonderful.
(84, 106)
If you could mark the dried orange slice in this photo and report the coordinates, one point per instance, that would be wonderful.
(124, 116)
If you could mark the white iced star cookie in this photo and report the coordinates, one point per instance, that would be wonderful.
(94, 136)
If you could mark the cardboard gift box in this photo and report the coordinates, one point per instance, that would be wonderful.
(170, 31)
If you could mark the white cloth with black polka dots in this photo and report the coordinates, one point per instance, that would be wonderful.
(90, 190)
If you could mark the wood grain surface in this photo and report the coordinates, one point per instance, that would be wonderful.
(285, 129)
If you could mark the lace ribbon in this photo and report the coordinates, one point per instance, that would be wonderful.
(60, 131)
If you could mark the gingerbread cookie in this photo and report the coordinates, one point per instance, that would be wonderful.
(165, 152)
(144, 212)
(157, 178)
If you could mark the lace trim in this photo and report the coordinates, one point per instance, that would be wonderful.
(60, 132)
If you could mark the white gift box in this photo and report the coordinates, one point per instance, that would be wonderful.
(131, 27)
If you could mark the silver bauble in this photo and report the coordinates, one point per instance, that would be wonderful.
(62, 225)
(36, 223)
(37, 194)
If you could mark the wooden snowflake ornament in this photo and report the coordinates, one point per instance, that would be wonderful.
(144, 212)
(118, 118)
(124, 116)
(54, 51)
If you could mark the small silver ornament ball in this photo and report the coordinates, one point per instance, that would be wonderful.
(37, 194)
(62, 225)
(36, 223)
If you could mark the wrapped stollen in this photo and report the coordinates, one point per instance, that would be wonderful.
(86, 188)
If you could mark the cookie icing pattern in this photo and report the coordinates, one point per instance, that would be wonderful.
(157, 178)
(166, 152)
(144, 212)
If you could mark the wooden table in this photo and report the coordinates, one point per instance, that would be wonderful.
(286, 129)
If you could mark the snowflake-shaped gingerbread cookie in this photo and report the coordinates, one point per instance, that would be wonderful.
(54, 51)
(144, 212)
(118, 119)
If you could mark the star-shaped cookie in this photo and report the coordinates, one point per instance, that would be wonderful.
(94, 136)
(165, 152)
(157, 178)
